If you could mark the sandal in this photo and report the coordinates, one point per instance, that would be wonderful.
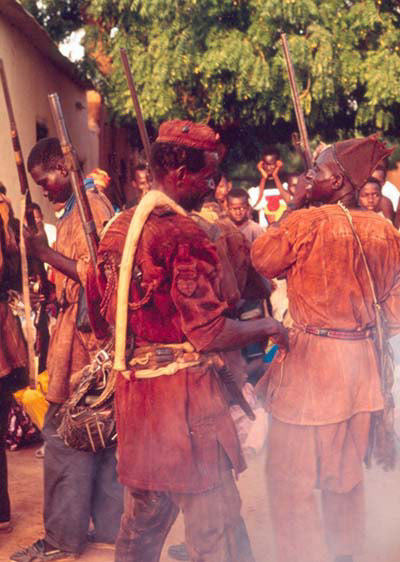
(41, 551)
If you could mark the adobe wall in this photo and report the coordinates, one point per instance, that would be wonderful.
(31, 77)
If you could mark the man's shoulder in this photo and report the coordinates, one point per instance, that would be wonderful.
(370, 224)
(332, 219)
(98, 200)
(305, 218)
(163, 225)
(313, 220)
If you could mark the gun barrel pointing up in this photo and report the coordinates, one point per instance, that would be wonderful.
(76, 177)
(139, 116)
(296, 102)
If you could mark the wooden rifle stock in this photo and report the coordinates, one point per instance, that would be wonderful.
(76, 177)
(139, 116)
(26, 200)
(306, 152)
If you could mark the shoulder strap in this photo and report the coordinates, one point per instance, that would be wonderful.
(148, 203)
(364, 257)
(377, 306)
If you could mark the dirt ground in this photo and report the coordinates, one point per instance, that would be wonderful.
(383, 498)
(382, 495)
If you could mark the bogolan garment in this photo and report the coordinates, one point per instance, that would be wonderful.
(69, 349)
(184, 442)
(326, 381)
(12, 350)
(175, 300)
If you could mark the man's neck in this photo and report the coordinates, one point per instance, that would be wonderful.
(346, 196)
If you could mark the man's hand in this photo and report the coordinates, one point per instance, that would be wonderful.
(281, 337)
(278, 167)
(75, 379)
(260, 168)
(36, 242)
(320, 148)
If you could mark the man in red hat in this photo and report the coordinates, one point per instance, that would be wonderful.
(176, 439)
(323, 394)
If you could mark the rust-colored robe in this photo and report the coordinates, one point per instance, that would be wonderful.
(12, 349)
(322, 394)
(69, 349)
(175, 433)
(325, 380)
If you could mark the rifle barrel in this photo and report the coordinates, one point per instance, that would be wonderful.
(296, 102)
(139, 116)
(76, 178)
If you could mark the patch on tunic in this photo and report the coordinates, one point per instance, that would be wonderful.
(186, 272)
(186, 286)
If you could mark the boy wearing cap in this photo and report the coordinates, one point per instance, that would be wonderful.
(322, 395)
(176, 439)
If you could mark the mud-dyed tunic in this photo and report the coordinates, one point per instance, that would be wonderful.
(12, 349)
(175, 433)
(326, 380)
(69, 349)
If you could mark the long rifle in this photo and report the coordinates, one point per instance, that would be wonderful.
(139, 116)
(76, 177)
(26, 200)
(306, 152)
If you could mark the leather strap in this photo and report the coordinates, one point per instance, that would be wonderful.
(336, 334)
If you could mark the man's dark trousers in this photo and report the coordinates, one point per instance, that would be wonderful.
(78, 486)
(5, 405)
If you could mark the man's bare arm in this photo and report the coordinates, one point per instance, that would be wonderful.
(237, 334)
(39, 248)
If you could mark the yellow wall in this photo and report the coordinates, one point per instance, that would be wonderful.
(31, 77)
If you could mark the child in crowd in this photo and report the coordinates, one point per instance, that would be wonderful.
(370, 195)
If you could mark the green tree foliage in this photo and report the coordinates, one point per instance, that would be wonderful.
(221, 61)
(59, 17)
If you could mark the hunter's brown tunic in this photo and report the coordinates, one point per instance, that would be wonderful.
(325, 380)
(69, 349)
(322, 395)
(12, 348)
(175, 432)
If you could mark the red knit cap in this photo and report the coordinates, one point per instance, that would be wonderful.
(358, 158)
(189, 134)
